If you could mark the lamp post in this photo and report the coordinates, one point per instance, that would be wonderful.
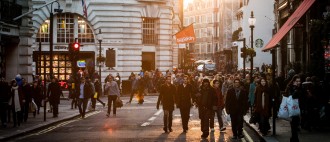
(51, 32)
(252, 21)
(100, 38)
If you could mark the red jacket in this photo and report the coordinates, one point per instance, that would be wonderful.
(220, 101)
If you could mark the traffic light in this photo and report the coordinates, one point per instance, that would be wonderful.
(74, 47)
(110, 58)
(243, 52)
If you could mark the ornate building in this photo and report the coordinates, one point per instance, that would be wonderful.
(140, 31)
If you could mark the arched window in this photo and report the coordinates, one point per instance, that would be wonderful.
(66, 29)
(43, 34)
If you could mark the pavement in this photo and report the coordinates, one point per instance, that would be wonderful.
(283, 132)
(38, 123)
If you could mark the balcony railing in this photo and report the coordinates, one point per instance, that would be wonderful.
(8, 11)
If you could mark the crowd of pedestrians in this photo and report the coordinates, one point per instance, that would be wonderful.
(18, 99)
(222, 95)
(236, 95)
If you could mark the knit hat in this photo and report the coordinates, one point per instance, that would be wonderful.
(206, 80)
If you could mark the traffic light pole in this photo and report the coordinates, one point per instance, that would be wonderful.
(244, 48)
(244, 55)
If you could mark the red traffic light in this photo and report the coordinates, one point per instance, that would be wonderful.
(76, 46)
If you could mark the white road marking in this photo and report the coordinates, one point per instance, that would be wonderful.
(158, 112)
(151, 119)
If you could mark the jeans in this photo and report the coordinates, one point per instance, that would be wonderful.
(82, 105)
(112, 99)
(219, 115)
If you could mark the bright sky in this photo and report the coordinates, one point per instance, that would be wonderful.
(186, 2)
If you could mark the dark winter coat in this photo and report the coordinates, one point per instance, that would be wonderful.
(234, 105)
(207, 98)
(166, 97)
(37, 94)
(264, 111)
(54, 92)
(184, 96)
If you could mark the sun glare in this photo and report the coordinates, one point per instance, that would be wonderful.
(186, 3)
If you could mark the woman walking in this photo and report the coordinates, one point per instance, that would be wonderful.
(16, 102)
(113, 92)
(262, 105)
(295, 90)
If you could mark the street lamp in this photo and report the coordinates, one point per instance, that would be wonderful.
(51, 32)
(252, 21)
(100, 61)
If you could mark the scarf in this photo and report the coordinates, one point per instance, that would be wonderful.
(17, 105)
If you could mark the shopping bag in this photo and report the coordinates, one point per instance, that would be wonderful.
(32, 106)
(89, 105)
(283, 110)
(95, 95)
(293, 106)
(225, 118)
(119, 102)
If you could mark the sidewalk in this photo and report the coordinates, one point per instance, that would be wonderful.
(37, 123)
(283, 132)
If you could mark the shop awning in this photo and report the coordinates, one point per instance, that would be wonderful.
(300, 11)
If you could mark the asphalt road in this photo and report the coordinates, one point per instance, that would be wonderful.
(133, 122)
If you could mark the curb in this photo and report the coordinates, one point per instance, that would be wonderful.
(29, 130)
(257, 133)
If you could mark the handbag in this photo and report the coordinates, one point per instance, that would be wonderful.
(119, 102)
(293, 107)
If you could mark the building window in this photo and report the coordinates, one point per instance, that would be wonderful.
(209, 48)
(65, 28)
(85, 33)
(61, 65)
(43, 34)
(149, 31)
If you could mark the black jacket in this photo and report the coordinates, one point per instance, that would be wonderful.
(236, 105)
(54, 92)
(184, 96)
(166, 96)
(207, 98)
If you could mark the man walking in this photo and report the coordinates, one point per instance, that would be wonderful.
(85, 91)
(184, 102)
(206, 102)
(53, 94)
(166, 96)
(236, 107)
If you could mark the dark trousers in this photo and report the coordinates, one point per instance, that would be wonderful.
(74, 103)
(237, 124)
(112, 100)
(205, 116)
(25, 111)
(17, 117)
(3, 113)
(219, 115)
(82, 105)
(98, 99)
(185, 112)
(168, 117)
(55, 109)
(264, 124)
(93, 102)
(294, 129)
